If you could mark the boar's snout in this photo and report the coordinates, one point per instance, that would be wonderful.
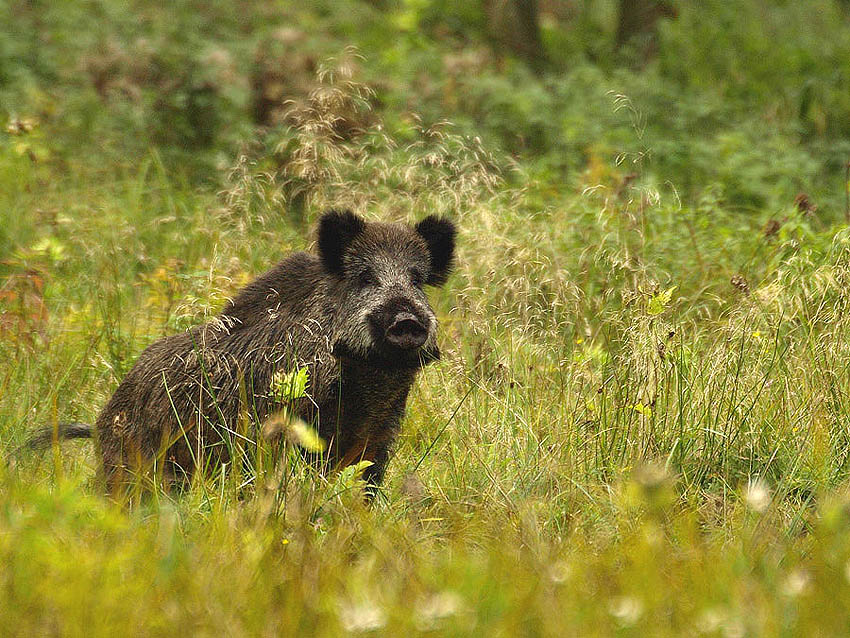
(406, 332)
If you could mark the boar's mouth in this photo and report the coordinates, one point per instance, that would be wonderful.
(388, 358)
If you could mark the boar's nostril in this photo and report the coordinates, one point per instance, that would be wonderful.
(406, 332)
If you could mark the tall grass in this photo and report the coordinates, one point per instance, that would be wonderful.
(638, 425)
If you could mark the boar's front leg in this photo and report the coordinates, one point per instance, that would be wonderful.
(377, 452)
(374, 474)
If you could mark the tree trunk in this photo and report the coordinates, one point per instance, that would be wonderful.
(637, 22)
(514, 25)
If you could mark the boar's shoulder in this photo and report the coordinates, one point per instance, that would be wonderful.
(289, 287)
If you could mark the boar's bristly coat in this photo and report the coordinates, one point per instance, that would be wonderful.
(355, 315)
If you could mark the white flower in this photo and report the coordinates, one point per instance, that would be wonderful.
(796, 583)
(757, 495)
(362, 617)
(559, 572)
(436, 608)
(710, 620)
(626, 609)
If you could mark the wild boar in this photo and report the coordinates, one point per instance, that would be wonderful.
(355, 316)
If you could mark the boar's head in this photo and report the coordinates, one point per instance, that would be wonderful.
(378, 274)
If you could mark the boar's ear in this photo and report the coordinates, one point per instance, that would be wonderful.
(439, 234)
(337, 229)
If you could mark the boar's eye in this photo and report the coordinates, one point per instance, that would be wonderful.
(366, 278)
(417, 278)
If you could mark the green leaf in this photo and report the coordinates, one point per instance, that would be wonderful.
(54, 248)
(658, 303)
(288, 386)
(352, 474)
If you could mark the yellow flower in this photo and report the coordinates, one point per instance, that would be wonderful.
(640, 408)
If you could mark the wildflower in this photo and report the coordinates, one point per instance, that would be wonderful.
(805, 205)
(771, 228)
(436, 608)
(710, 620)
(651, 486)
(757, 495)
(18, 126)
(715, 619)
(362, 618)
(644, 410)
(559, 572)
(626, 609)
(740, 283)
(796, 583)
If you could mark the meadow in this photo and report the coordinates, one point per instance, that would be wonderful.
(640, 424)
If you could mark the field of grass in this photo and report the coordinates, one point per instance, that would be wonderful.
(641, 421)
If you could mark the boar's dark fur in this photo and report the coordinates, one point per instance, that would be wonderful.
(355, 316)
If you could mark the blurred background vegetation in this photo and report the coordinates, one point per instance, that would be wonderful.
(639, 425)
(747, 99)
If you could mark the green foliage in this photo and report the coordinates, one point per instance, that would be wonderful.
(291, 385)
(638, 425)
